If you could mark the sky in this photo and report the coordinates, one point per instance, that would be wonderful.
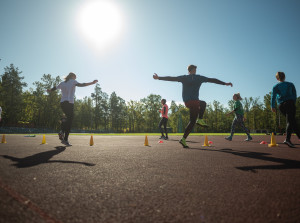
(240, 41)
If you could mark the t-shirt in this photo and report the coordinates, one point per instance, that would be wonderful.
(238, 108)
(67, 90)
(283, 91)
(191, 85)
(164, 111)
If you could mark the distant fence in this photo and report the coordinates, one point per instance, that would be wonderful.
(23, 130)
(20, 130)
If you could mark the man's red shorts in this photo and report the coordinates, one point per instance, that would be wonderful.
(193, 104)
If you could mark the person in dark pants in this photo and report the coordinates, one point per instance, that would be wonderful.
(164, 119)
(239, 117)
(67, 88)
(285, 94)
(190, 93)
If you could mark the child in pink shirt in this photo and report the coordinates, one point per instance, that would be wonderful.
(164, 120)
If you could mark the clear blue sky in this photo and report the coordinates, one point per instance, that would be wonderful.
(240, 41)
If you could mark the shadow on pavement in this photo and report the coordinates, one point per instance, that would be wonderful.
(283, 163)
(41, 158)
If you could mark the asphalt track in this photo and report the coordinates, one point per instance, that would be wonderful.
(121, 180)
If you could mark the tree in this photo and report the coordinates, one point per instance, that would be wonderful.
(269, 117)
(11, 94)
(152, 104)
(117, 112)
(47, 110)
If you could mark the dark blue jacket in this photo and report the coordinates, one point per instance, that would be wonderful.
(283, 91)
(191, 84)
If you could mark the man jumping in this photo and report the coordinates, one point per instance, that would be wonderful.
(190, 94)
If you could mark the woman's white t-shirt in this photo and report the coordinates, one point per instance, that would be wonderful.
(67, 90)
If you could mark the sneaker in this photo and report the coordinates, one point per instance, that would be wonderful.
(229, 138)
(162, 137)
(65, 143)
(289, 143)
(249, 138)
(61, 135)
(201, 123)
(183, 143)
(166, 138)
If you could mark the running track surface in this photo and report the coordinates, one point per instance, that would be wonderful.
(121, 180)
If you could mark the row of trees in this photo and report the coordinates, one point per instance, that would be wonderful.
(111, 113)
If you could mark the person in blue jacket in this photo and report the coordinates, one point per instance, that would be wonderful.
(190, 94)
(285, 94)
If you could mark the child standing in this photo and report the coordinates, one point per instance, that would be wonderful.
(285, 93)
(239, 117)
(164, 119)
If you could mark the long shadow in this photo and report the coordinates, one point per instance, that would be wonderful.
(283, 163)
(176, 140)
(41, 158)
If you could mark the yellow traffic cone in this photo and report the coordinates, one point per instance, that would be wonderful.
(273, 141)
(91, 141)
(3, 139)
(206, 142)
(44, 140)
(146, 141)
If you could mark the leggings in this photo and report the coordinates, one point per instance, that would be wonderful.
(163, 122)
(197, 109)
(288, 108)
(238, 120)
(68, 109)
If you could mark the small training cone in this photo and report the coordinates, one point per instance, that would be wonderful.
(44, 139)
(146, 141)
(91, 141)
(160, 141)
(263, 142)
(210, 142)
(206, 142)
(273, 141)
(3, 139)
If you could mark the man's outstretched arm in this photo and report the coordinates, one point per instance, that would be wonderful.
(156, 77)
(216, 81)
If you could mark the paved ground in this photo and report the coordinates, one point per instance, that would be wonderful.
(121, 180)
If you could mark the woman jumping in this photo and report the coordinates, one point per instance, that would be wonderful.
(67, 88)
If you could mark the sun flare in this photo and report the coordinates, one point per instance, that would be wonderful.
(100, 22)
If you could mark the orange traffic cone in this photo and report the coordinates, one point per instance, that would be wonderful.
(206, 142)
(91, 141)
(146, 141)
(3, 139)
(44, 140)
(273, 141)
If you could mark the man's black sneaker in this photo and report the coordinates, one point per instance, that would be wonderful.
(66, 142)
(289, 143)
(162, 137)
(61, 135)
(166, 137)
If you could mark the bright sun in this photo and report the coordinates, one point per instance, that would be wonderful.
(100, 22)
